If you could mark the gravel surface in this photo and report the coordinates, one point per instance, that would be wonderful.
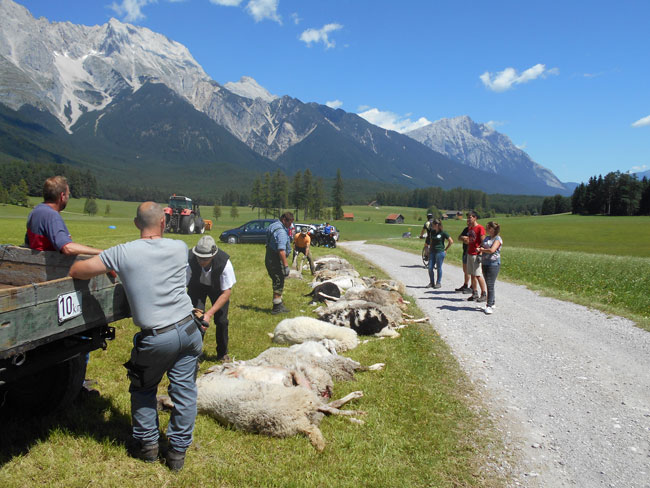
(568, 386)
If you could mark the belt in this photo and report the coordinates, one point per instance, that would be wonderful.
(166, 328)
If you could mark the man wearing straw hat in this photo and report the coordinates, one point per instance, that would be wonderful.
(210, 274)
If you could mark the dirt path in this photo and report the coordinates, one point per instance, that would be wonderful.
(571, 385)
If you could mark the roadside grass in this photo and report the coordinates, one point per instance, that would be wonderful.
(424, 426)
(616, 285)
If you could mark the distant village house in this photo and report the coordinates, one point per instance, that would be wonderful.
(395, 219)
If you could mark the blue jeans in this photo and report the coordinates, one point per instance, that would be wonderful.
(436, 257)
(490, 273)
(174, 352)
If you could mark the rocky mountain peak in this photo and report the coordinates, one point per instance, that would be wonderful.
(247, 87)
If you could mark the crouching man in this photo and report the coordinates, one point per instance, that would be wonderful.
(302, 245)
(210, 274)
(153, 272)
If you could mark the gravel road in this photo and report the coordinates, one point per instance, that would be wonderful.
(568, 386)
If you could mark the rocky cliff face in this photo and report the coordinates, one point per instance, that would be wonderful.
(481, 147)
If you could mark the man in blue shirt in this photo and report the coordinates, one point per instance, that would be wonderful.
(278, 247)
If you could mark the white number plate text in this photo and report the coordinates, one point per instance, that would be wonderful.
(69, 306)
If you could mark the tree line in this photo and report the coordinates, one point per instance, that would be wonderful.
(615, 194)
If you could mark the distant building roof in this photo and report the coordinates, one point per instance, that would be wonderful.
(394, 216)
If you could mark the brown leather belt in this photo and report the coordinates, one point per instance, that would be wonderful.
(166, 328)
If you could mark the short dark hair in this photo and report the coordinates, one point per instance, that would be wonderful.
(53, 187)
(287, 216)
(471, 213)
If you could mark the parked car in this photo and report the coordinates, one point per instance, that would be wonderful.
(253, 231)
(311, 228)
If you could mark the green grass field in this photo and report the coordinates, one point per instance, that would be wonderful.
(425, 425)
(421, 391)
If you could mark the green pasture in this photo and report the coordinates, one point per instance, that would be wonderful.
(424, 424)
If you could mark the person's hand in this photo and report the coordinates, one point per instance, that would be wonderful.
(286, 270)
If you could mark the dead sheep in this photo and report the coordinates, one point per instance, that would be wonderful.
(343, 282)
(390, 285)
(325, 291)
(376, 295)
(302, 329)
(316, 356)
(266, 408)
(329, 274)
(365, 318)
(332, 262)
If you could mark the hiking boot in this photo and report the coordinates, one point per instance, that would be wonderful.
(473, 298)
(437, 285)
(468, 291)
(430, 285)
(488, 310)
(224, 359)
(482, 298)
(175, 459)
(461, 288)
(279, 308)
(146, 452)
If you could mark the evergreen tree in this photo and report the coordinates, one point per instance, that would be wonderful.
(307, 192)
(316, 204)
(280, 194)
(234, 211)
(644, 202)
(337, 197)
(267, 200)
(579, 199)
(90, 207)
(256, 195)
(107, 210)
(295, 193)
(4, 194)
(18, 194)
(216, 210)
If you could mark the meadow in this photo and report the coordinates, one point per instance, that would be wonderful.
(425, 424)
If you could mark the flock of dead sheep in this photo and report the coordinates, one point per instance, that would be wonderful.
(287, 390)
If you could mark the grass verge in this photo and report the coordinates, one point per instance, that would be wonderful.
(423, 426)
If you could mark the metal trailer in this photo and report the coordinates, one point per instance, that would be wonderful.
(48, 322)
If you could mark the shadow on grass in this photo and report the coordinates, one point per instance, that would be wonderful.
(94, 417)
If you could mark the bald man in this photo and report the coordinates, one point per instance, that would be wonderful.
(153, 272)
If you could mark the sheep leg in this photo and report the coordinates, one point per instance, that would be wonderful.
(164, 402)
(342, 401)
(327, 296)
(315, 437)
(335, 411)
(376, 367)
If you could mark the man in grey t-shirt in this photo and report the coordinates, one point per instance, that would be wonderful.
(152, 270)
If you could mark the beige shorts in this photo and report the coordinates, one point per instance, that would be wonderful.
(474, 265)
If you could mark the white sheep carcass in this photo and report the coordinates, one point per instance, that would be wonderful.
(302, 329)
(267, 408)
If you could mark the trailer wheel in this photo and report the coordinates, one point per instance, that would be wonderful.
(50, 389)
(187, 224)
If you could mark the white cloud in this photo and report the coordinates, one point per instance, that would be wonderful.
(320, 35)
(492, 124)
(295, 18)
(130, 10)
(639, 169)
(392, 121)
(506, 79)
(642, 122)
(258, 9)
(226, 3)
(264, 9)
(334, 104)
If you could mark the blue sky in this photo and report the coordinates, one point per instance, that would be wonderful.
(567, 81)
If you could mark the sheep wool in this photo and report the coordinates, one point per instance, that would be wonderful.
(302, 329)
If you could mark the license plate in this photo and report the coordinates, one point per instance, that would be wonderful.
(69, 306)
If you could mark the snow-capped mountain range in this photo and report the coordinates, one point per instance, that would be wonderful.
(77, 73)
(481, 147)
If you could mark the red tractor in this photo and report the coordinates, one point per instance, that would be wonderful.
(184, 216)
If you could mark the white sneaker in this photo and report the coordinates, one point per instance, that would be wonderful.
(488, 310)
